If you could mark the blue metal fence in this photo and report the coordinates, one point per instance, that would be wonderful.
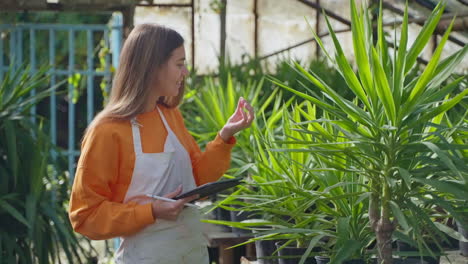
(13, 36)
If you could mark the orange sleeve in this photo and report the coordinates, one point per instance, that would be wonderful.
(92, 212)
(210, 165)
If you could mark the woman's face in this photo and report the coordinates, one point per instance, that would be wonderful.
(172, 74)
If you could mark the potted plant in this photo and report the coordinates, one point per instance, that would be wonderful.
(210, 102)
(338, 196)
(33, 187)
(299, 205)
(394, 129)
(274, 196)
(276, 176)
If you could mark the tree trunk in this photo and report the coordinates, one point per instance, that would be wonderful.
(384, 231)
(381, 224)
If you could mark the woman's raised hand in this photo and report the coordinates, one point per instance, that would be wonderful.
(239, 120)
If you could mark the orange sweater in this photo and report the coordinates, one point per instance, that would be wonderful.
(105, 170)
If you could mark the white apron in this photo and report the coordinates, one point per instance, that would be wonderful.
(164, 242)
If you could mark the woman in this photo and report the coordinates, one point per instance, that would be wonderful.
(139, 145)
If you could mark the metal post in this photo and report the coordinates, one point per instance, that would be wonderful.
(108, 74)
(32, 55)
(90, 76)
(317, 29)
(255, 28)
(116, 37)
(53, 97)
(193, 33)
(222, 40)
(19, 47)
(71, 105)
(12, 60)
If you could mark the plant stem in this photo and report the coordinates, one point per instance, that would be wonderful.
(384, 228)
(373, 207)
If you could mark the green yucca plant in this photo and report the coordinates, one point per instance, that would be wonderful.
(274, 195)
(395, 130)
(254, 70)
(320, 209)
(210, 101)
(344, 195)
(34, 225)
(210, 104)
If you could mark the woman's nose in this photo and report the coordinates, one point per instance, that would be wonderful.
(185, 71)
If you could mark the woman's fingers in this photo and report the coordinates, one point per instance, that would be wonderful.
(188, 199)
(174, 193)
(180, 204)
(237, 115)
(244, 115)
(247, 118)
(240, 104)
(241, 118)
(251, 113)
(171, 210)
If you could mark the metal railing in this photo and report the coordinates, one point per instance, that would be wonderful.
(13, 49)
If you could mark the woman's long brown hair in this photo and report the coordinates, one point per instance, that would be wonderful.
(147, 48)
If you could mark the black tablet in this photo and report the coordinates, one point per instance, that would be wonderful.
(211, 188)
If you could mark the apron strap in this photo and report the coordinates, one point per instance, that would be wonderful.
(168, 128)
(136, 136)
(136, 132)
(171, 136)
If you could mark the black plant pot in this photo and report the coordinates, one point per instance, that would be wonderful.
(223, 215)
(463, 245)
(402, 247)
(292, 255)
(237, 216)
(322, 260)
(265, 248)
